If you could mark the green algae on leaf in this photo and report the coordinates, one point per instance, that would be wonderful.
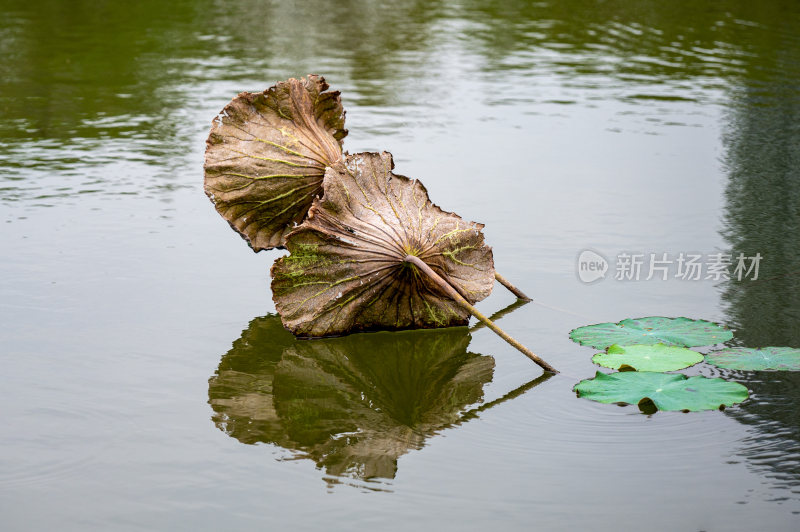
(347, 268)
(652, 330)
(665, 391)
(266, 157)
(747, 358)
(656, 357)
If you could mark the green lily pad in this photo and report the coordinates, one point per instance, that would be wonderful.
(747, 358)
(658, 357)
(652, 330)
(666, 391)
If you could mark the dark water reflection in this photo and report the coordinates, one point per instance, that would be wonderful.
(762, 215)
(353, 405)
(104, 98)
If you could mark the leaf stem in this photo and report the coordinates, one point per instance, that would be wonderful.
(514, 290)
(458, 298)
(470, 414)
(500, 313)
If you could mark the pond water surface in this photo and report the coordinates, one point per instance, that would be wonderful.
(147, 384)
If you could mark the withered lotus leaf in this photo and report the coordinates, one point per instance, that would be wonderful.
(346, 271)
(266, 157)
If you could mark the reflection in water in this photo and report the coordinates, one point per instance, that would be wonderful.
(115, 99)
(763, 216)
(353, 405)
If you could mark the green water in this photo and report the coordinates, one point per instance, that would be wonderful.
(146, 384)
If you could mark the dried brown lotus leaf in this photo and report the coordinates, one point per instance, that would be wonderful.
(346, 271)
(266, 157)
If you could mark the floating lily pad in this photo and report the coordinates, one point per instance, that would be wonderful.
(347, 271)
(666, 391)
(652, 330)
(747, 358)
(658, 357)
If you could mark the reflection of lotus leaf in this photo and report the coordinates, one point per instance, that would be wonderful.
(352, 404)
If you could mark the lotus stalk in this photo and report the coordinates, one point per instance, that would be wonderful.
(453, 293)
